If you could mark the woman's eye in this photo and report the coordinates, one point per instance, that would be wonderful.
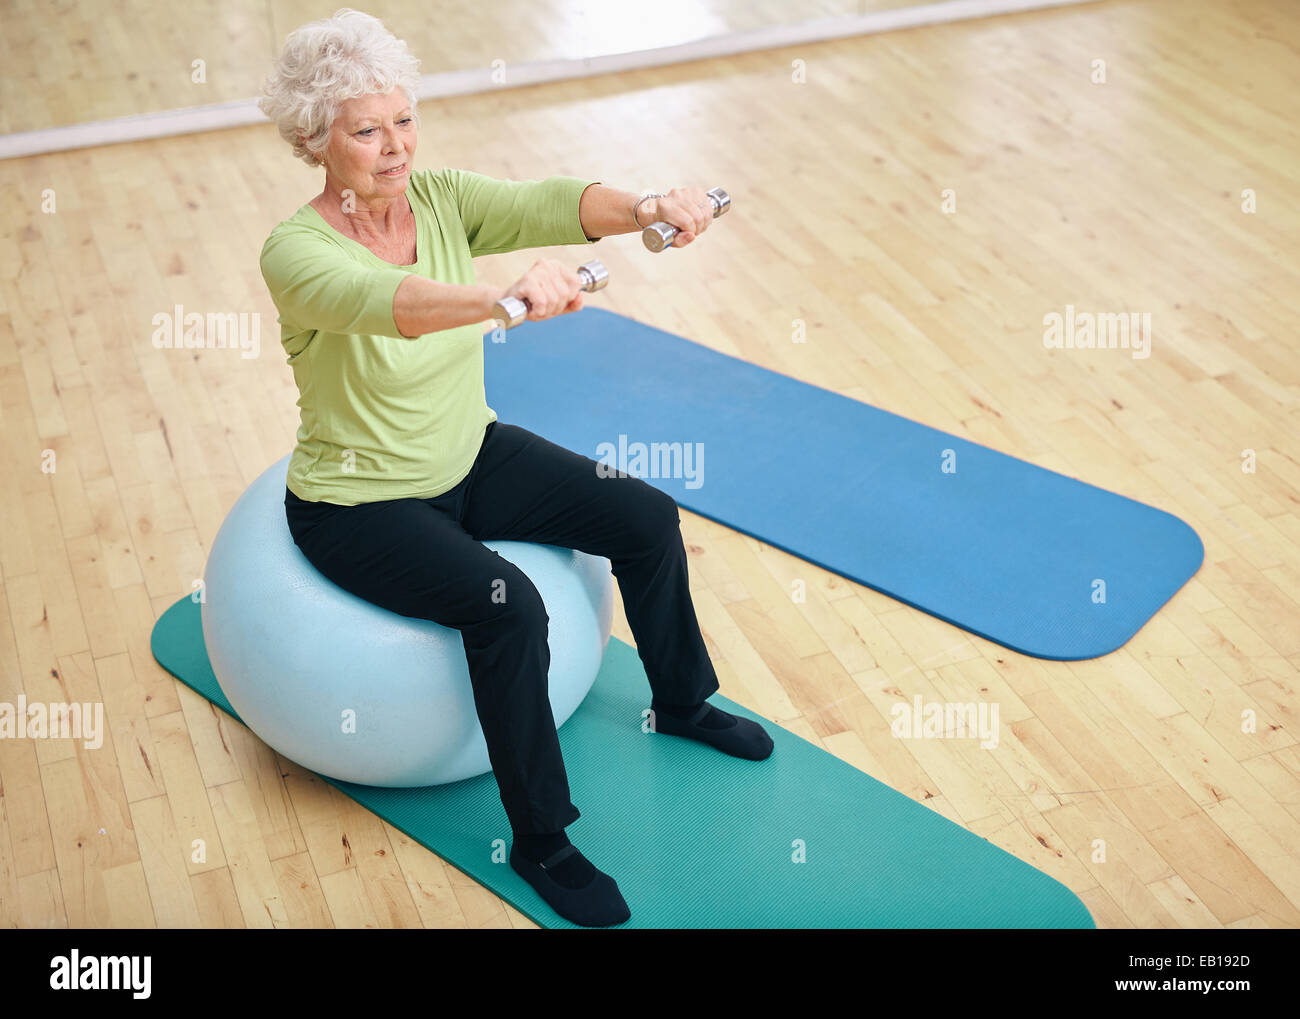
(366, 133)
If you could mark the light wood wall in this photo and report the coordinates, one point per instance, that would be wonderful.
(81, 60)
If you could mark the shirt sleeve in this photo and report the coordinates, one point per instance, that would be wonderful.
(315, 285)
(506, 215)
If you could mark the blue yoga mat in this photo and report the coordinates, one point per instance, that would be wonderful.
(1028, 558)
(698, 839)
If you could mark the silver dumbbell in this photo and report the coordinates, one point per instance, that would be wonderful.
(510, 311)
(658, 236)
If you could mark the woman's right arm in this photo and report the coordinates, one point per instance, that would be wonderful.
(316, 285)
(422, 305)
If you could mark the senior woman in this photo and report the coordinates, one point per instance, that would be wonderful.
(401, 470)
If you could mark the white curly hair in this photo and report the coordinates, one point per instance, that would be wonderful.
(327, 62)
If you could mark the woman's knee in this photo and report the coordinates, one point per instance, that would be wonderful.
(513, 599)
(658, 513)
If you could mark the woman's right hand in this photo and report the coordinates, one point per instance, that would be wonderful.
(549, 287)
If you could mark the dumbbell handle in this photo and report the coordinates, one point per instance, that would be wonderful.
(510, 311)
(658, 236)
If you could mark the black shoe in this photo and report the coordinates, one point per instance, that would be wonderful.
(597, 904)
(745, 738)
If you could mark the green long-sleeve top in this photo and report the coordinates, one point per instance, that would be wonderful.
(383, 416)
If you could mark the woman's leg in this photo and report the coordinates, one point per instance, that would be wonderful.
(525, 488)
(411, 556)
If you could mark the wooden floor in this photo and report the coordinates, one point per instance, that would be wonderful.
(1119, 196)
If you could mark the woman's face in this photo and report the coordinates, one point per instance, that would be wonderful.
(372, 134)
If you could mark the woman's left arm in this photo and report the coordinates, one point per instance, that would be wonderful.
(605, 211)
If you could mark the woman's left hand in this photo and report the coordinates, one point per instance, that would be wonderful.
(688, 209)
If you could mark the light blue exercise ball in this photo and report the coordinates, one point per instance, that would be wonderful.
(356, 692)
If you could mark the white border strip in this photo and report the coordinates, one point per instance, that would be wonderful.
(243, 112)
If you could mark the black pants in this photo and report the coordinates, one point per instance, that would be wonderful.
(424, 558)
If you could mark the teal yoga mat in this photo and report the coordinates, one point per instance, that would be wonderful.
(1038, 562)
(698, 839)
